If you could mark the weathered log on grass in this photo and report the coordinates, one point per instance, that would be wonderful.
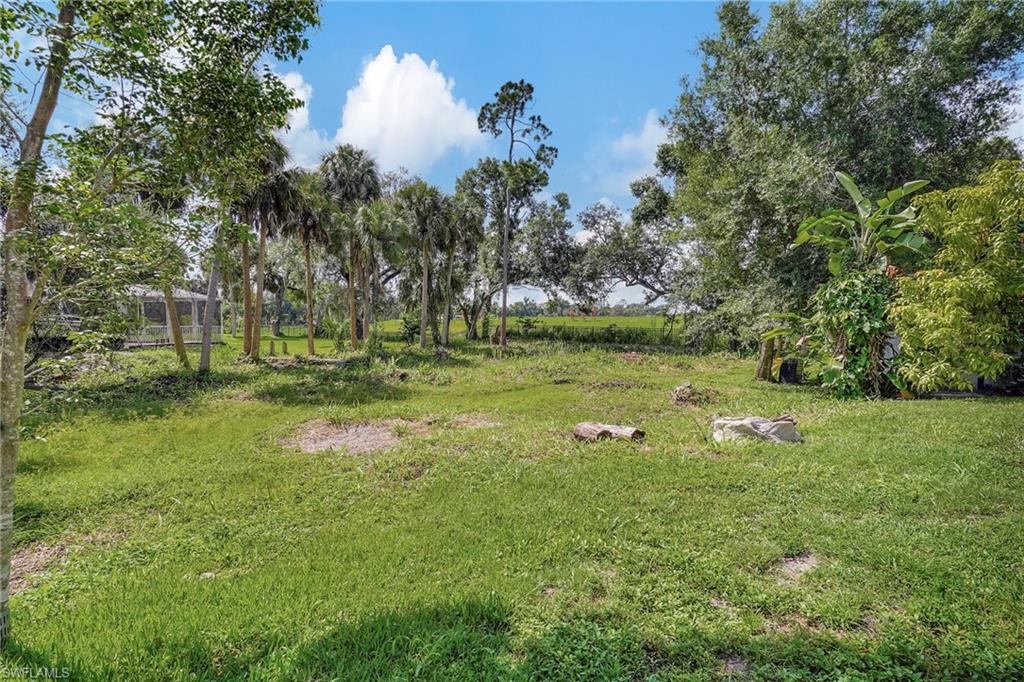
(593, 431)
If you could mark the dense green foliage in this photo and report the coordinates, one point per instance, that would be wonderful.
(888, 92)
(850, 311)
(201, 547)
(869, 238)
(850, 315)
(963, 313)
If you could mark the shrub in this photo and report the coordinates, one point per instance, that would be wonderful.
(374, 346)
(410, 327)
(850, 317)
(851, 321)
(337, 332)
(963, 314)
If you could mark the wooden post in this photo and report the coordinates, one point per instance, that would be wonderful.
(766, 359)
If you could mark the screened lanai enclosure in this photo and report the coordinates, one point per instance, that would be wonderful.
(155, 321)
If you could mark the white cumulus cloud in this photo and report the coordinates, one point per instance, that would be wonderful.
(306, 143)
(642, 145)
(614, 163)
(404, 112)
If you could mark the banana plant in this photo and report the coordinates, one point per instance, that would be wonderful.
(871, 235)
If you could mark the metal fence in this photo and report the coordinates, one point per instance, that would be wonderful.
(160, 335)
(611, 333)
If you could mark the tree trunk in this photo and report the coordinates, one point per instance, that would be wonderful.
(246, 301)
(257, 316)
(234, 311)
(469, 318)
(448, 299)
(353, 337)
(210, 312)
(374, 285)
(175, 325)
(278, 308)
(309, 297)
(504, 247)
(424, 295)
(367, 304)
(20, 299)
(12, 361)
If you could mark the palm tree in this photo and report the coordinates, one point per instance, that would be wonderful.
(463, 231)
(268, 201)
(368, 224)
(424, 206)
(351, 176)
(310, 221)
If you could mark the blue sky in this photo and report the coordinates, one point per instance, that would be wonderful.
(406, 81)
(603, 74)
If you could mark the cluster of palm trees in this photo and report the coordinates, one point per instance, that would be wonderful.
(342, 208)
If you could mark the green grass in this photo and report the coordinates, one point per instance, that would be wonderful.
(641, 321)
(515, 552)
(295, 344)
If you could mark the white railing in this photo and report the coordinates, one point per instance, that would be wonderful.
(159, 335)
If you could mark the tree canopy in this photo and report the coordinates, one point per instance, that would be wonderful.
(888, 92)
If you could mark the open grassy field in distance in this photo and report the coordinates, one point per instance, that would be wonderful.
(191, 539)
(641, 321)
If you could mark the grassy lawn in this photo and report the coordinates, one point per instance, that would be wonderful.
(294, 343)
(198, 544)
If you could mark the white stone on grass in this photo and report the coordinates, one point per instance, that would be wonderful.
(779, 430)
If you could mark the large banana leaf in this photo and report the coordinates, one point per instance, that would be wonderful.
(894, 195)
(862, 204)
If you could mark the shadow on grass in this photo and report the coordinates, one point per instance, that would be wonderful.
(462, 641)
(319, 386)
(472, 641)
(147, 395)
(19, 661)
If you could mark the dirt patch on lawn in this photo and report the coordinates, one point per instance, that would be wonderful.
(792, 568)
(474, 421)
(355, 439)
(793, 623)
(360, 439)
(28, 562)
(618, 384)
(688, 396)
(632, 358)
(733, 667)
(724, 606)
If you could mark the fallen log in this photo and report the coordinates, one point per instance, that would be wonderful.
(593, 431)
